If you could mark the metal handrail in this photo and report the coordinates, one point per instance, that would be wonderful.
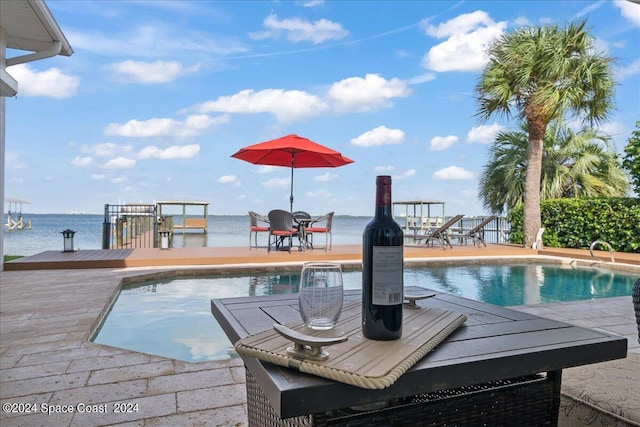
(601, 242)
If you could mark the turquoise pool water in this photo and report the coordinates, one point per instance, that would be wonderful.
(173, 318)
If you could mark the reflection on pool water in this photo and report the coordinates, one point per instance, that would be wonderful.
(173, 318)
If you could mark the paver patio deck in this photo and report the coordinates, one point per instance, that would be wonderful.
(47, 362)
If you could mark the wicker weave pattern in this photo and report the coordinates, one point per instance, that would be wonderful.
(527, 401)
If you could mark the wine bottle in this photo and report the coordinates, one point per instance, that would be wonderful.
(382, 270)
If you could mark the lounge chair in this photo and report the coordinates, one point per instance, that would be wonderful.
(326, 230)
(476, 233)
(255, 227)
(280, 227)
(441, 233)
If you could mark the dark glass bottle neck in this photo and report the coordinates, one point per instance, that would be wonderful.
(383, 196)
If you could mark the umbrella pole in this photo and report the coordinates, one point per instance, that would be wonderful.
(291, 196)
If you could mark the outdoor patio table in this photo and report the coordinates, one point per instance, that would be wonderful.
(302, 224)
(502, 367)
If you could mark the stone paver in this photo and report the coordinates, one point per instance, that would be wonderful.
(47, 317)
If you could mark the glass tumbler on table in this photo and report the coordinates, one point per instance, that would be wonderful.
(321, 294)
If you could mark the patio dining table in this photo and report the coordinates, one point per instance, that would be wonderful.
(302, 224)
(501, 367)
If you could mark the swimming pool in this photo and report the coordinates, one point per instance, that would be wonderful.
(172, 318)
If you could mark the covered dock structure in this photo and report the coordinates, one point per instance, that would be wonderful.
(187, 219)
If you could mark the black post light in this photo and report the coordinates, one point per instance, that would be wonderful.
(68, 240)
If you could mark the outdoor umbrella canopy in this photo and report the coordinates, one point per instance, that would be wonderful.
(292, 151)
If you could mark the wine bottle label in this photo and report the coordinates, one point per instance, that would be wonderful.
(387, 275)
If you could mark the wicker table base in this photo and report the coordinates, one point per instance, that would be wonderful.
(526, 401)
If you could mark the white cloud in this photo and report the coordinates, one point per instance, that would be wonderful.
(381, 135)
(614, 128)
(98, 176)
(383, 169)
(629, 10)
(632, 69)
(452, 173)
(120, 163)
(318, 193)
(262, 169)
(229, 179)
(464, 23)
(406, 174)
(173, 152)
(82, 162)
(468, 37)
(151, 72)
(368, 94)
(522, 21)
(193, 125)
(439, 143)
(51, 83)
(106, 149)
(276, 183)
(286, 106)
(325, 177)
(589, 9)
(311, 3)
(120, 180)
(484, 134)
(154, 41)
(298, 30)
(423, 78)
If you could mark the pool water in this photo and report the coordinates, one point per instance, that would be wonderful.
(173, 318)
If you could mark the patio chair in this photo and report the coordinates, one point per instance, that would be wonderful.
(301, 214)
(476, 233)
(280, 227)
(326, 230)
(441, 233)
(255, 227)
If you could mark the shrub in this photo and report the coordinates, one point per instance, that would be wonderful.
(576, 223)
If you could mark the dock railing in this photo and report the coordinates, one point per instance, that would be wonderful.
(130, 226)
(496, 231)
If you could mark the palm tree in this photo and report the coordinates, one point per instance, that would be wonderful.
(542, 74)
(574, 164)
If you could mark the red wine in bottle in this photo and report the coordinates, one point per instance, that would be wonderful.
(382, 270)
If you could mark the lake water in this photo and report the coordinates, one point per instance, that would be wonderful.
(223, 230)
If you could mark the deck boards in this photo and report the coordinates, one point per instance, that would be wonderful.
(150, 257)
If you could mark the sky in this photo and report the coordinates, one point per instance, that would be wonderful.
(159, 94)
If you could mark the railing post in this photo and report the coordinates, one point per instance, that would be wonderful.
(106, 228)
(155, 226)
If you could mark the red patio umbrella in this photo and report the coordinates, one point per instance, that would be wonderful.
(294, 151)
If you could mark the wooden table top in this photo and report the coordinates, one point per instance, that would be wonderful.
(494, 343)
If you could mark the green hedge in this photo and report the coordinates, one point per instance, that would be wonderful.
(576, 223)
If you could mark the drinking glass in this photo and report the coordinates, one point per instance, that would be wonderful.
(320, 296)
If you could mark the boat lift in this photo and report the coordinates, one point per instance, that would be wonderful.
(14, 215)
